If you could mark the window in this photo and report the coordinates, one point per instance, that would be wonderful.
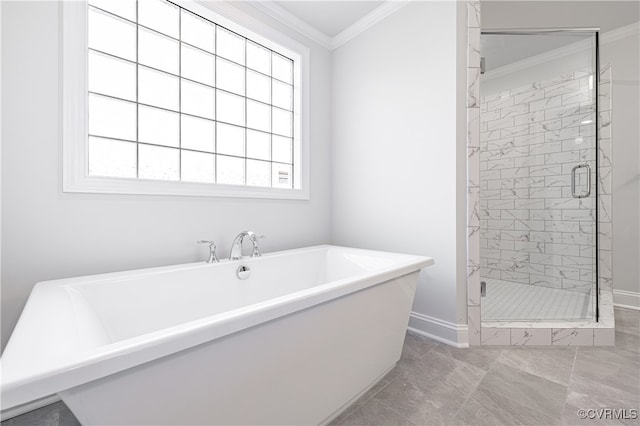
(174, 98)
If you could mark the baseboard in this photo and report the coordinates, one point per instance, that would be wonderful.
(29, 406)
(456, 335)
(626, 299)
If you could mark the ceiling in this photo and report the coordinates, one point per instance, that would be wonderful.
(333, 22)
(329, 17)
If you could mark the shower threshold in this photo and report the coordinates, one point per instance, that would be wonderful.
(585, 331)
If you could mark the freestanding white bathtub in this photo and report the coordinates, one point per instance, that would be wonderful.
(295, 343)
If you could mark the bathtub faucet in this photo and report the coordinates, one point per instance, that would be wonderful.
(236, 247)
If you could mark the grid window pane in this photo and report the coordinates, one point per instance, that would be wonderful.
(173, 96)
(230, 76)
(123, 8)
(281, 176)
(230, 45)
(258, 173)
(111, 76)
(282, 68)
(111, 35)
(198, 32)
(112, 118)
(111, 158)
(258, 87)
(197, 167)
(230, 170)
(197, 65)
(282, 122)
(230, 140)
(282, 149)
(159, 15)
(157, 88)
(198, 134)
(197, 99)
(158, 126)
(258, 145)
(282, 95)
(230, 108)
(158, 51)
(159, 163)
(258, 58)
(258, 116)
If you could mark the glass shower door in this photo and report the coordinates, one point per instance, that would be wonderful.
(538, 136)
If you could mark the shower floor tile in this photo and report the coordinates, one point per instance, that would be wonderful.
(520, 302)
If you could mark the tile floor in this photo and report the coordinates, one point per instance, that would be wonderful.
(437, 384)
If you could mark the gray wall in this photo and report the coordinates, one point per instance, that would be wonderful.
(395, 152)
(605, 14)
(625, 96)
(47, 234)
(623, 55)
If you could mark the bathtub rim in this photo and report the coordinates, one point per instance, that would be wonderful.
(111, 358)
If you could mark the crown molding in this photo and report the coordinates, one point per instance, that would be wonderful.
(537, 59)
(367, 21)
(620, 33)
(287, 18)
(605, 38)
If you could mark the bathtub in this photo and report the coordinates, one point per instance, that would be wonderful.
(295, 343)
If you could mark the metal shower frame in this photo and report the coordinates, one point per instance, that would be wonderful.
(595, 31)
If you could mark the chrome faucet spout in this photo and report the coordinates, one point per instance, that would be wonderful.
(236, 246)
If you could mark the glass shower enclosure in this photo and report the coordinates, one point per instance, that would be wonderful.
(538, 165)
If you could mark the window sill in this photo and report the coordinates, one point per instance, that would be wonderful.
(87, 184)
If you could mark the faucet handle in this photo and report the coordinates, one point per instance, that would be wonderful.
(256, 250)
(213, 257)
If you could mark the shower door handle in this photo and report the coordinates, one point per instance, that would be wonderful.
(573, 181)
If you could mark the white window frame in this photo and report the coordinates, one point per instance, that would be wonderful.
(75, 109)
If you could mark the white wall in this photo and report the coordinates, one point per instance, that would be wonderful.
(623, 54)
(625, 77)
(394, 151)
(47, 234)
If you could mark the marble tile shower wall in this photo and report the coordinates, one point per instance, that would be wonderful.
(532, 230)
(473, 172)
